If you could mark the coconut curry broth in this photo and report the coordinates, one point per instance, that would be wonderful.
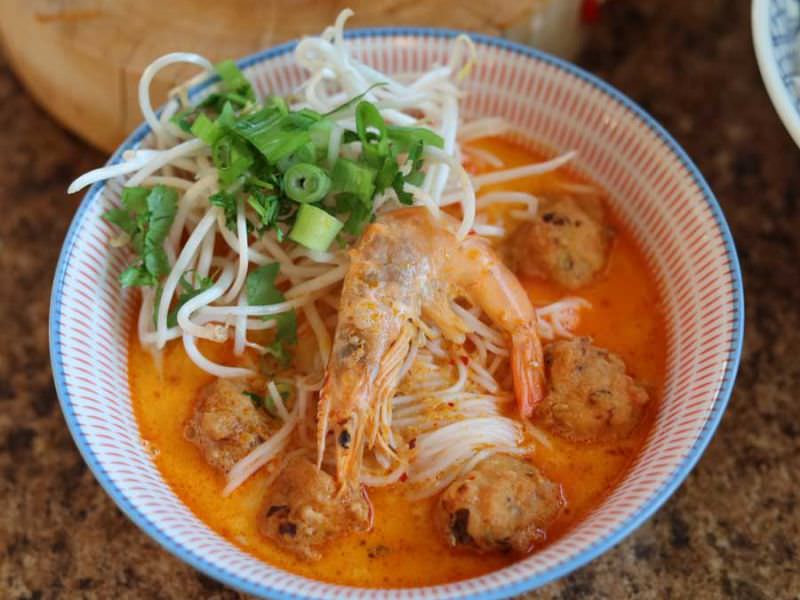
(403, 549)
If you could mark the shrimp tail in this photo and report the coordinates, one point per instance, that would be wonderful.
(527, 369)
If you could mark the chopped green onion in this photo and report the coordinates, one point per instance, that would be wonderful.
(231, 157)
(314, 228)
(354, 100)
(371, 129)
(387, 173)
(406, 137)
(320, 133)
(368, 118)
(305, 117)
(402, 195)
(306, 183)
(353, 178)
(233, 80)
(304, 154)
(275, 135)
(227, 117)
(277, 103)
(206, 129)
(182, 119)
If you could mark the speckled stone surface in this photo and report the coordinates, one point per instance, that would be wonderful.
(731, 531)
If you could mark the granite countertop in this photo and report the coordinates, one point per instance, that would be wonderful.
(731, 530)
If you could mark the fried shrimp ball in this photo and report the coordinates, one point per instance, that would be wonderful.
(567, 243)
(303, 509)
(504, 504)
(225, 424)
(589, 396)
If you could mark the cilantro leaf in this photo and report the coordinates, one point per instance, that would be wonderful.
(136, 275)
(162, 203)
(266, 206)
(146, 217)
(122, 218)
(260, 289)
(227, 202)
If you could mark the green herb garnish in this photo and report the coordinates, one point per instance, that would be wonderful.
(305, 183)
(146, 216)
(188, 291)
(261, 291)
(274, 160)
(265, 402)
(314, 228)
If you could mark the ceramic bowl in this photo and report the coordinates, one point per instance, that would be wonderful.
(776, 38)
(655, 189)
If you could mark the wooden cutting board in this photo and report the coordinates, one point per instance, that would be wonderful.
(81, 59)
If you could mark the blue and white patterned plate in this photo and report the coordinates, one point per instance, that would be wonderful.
(776, 37)
(654, 187)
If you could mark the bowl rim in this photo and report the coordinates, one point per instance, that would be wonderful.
(785, 104)
(598, 547)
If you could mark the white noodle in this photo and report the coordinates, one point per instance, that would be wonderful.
(524, 171)
(215, 333)
(489, 127)
(190, 345)
(275, 395)
(242, 470)
(150, 72)
(320, 332)
(240, 328)
(242, 249)
(122, 168)
(165, 157)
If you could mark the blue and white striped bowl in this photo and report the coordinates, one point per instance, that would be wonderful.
(776, 38)
(655, 189)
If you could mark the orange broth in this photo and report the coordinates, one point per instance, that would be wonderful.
(402, 549)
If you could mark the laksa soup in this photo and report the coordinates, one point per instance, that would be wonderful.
(379, 344)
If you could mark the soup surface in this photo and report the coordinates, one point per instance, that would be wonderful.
(403, 549)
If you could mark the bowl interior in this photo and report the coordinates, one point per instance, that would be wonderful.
(654, 188)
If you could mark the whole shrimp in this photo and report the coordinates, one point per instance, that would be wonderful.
(409, 265)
